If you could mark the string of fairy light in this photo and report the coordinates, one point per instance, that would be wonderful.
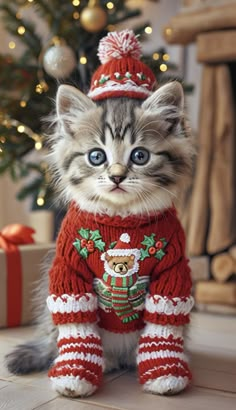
(21, 128)
(42, 85)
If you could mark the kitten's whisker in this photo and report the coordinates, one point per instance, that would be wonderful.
(164, 189)
(143, 200)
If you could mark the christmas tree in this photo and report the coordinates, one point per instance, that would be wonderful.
(29, 82)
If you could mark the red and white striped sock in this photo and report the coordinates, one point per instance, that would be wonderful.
(77, 371)
(162, 364)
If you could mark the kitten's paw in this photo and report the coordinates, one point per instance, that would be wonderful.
(166, 385)
(71, 386)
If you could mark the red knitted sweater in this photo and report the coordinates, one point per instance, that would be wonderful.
(157, 244)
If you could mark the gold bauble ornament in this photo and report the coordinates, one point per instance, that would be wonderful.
(93, 18)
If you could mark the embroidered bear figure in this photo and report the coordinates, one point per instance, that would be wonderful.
(120, 264)
(120, 288)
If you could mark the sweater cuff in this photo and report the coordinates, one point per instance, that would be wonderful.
(165, 310)
(80, 308)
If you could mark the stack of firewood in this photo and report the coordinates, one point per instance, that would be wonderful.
(210, 217)
(219, 293)
(186, 26)
(210, 220)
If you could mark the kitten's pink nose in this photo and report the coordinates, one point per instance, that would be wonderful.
(117, 179)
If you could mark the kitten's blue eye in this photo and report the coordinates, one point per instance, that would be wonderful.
(140, 156)
(97, 157)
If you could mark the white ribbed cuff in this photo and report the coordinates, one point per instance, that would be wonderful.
(165, 331)
(169, 306)
(76, 330)
(86, 302)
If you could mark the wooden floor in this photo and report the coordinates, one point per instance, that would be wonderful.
(212, 344)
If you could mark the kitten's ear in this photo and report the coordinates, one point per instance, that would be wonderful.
(168, 102)
(70, 104)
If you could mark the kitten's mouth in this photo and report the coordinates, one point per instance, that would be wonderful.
(117, 189)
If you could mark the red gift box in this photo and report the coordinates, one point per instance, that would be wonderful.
(20, 261)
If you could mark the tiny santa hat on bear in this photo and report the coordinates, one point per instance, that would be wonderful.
(123, 248)
(122, 73)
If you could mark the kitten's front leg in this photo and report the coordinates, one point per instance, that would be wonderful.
(119, 349)
(162, 364)
(77, 371)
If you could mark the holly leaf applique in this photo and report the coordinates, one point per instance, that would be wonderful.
(149, 240)
(99, 244)
(164, 242)
(159, 254)
(77, 245)
(84, 253)
(95, 235)
(90, 240)
(84, 233)
(144, 254)
(153, 247)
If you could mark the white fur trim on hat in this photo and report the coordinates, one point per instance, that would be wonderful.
(124, 252)
(111, 86)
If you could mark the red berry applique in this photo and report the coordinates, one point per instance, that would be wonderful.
(84, 243)
(152, 250)
(90, 241)
(153, 247)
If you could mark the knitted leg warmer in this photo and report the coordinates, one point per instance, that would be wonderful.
(77, 371)
(162, 364)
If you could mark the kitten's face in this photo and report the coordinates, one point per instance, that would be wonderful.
(121, 156)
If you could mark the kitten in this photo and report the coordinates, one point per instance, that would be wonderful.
(121, 157)
(116, 126)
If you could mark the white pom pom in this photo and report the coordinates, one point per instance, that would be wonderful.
(119, 44)
(125, 238)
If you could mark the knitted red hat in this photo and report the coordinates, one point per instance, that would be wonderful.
(121, 74)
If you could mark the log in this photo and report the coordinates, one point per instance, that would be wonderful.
(184, 28)
(199, 207)
(232, 251)
(200, 267)
(215, 308)
(216, 47)
(222, 267)
(216, 293)
(196, 4)
(222, 227)
(189, 3)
